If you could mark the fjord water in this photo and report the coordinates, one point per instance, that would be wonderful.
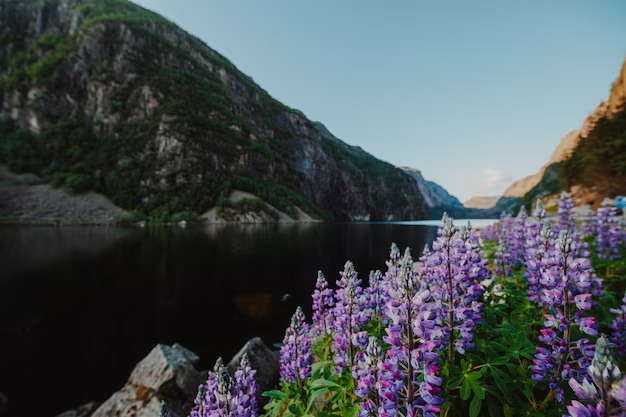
(80, 306)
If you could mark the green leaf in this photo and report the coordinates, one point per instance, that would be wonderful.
(275, 394)
(465, 389)
(319, 383)
(499, 361)
(478, 390)
(296, 409)
(475, 405)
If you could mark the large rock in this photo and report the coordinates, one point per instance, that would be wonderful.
(166, 374)
(264, 361)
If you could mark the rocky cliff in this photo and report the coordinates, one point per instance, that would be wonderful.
(434, 194)
(105, 96)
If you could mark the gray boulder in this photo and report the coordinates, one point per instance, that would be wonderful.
(166, 374)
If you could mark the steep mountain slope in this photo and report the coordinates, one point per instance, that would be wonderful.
(434, 194)
(104, 95)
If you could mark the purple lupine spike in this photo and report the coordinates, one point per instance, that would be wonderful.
(538, 242)
(566, 219)
(455, 266)
(608, 232)
(295, 353)
(502, 258)
(618, 328)
(323, 303)
(245, 386)
(368, 374)
(515, 240)
(376, 295)
(588, 224)
(597, 390)
(565, 282)
(218, 397)
(409, 384)
(350, 318)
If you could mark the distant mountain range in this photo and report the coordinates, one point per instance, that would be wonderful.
(105, 96)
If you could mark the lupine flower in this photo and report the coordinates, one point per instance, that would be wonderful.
(323, 303)
(502, 260)
(409, 385)
(564, 282)
(566, 219)
(368, 374)
(618, 328)
(516, 239)
(588, 224)
(221, 396)
(245, 384)
(608, 232)
(600, 387)
(539, 243)
(350, 317)
(295, 353)
(456, 265)
(376, 295)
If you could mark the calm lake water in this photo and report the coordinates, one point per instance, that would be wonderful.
(80, 306)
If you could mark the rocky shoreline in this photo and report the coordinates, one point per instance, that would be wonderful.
(168, 374)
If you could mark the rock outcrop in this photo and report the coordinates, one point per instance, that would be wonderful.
(169, 375)
(166, 374)
(434, 194)
(105, 96)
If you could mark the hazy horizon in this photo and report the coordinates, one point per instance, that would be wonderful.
(475, 96)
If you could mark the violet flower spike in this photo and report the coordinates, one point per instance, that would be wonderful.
(602, 388)
(323, 303)
(409, 384)
(350, 318)
(618, 328)
(565, 281)
(295, 353)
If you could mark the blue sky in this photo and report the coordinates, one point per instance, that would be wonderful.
(473, 93)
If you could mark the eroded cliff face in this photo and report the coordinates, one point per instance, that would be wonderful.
(106, 96)
(434, 194)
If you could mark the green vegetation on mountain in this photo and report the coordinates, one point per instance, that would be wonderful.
(106, 96)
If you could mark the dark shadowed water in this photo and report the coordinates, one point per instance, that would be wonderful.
(80, 306)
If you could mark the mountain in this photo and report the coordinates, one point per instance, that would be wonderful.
(438, 199)
(589, 162)
(105, 96)
(434, 194)
(482, 202)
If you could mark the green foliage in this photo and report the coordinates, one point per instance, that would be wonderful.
(492, 379)
(600, 159)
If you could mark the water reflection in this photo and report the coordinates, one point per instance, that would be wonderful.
(79, 306)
